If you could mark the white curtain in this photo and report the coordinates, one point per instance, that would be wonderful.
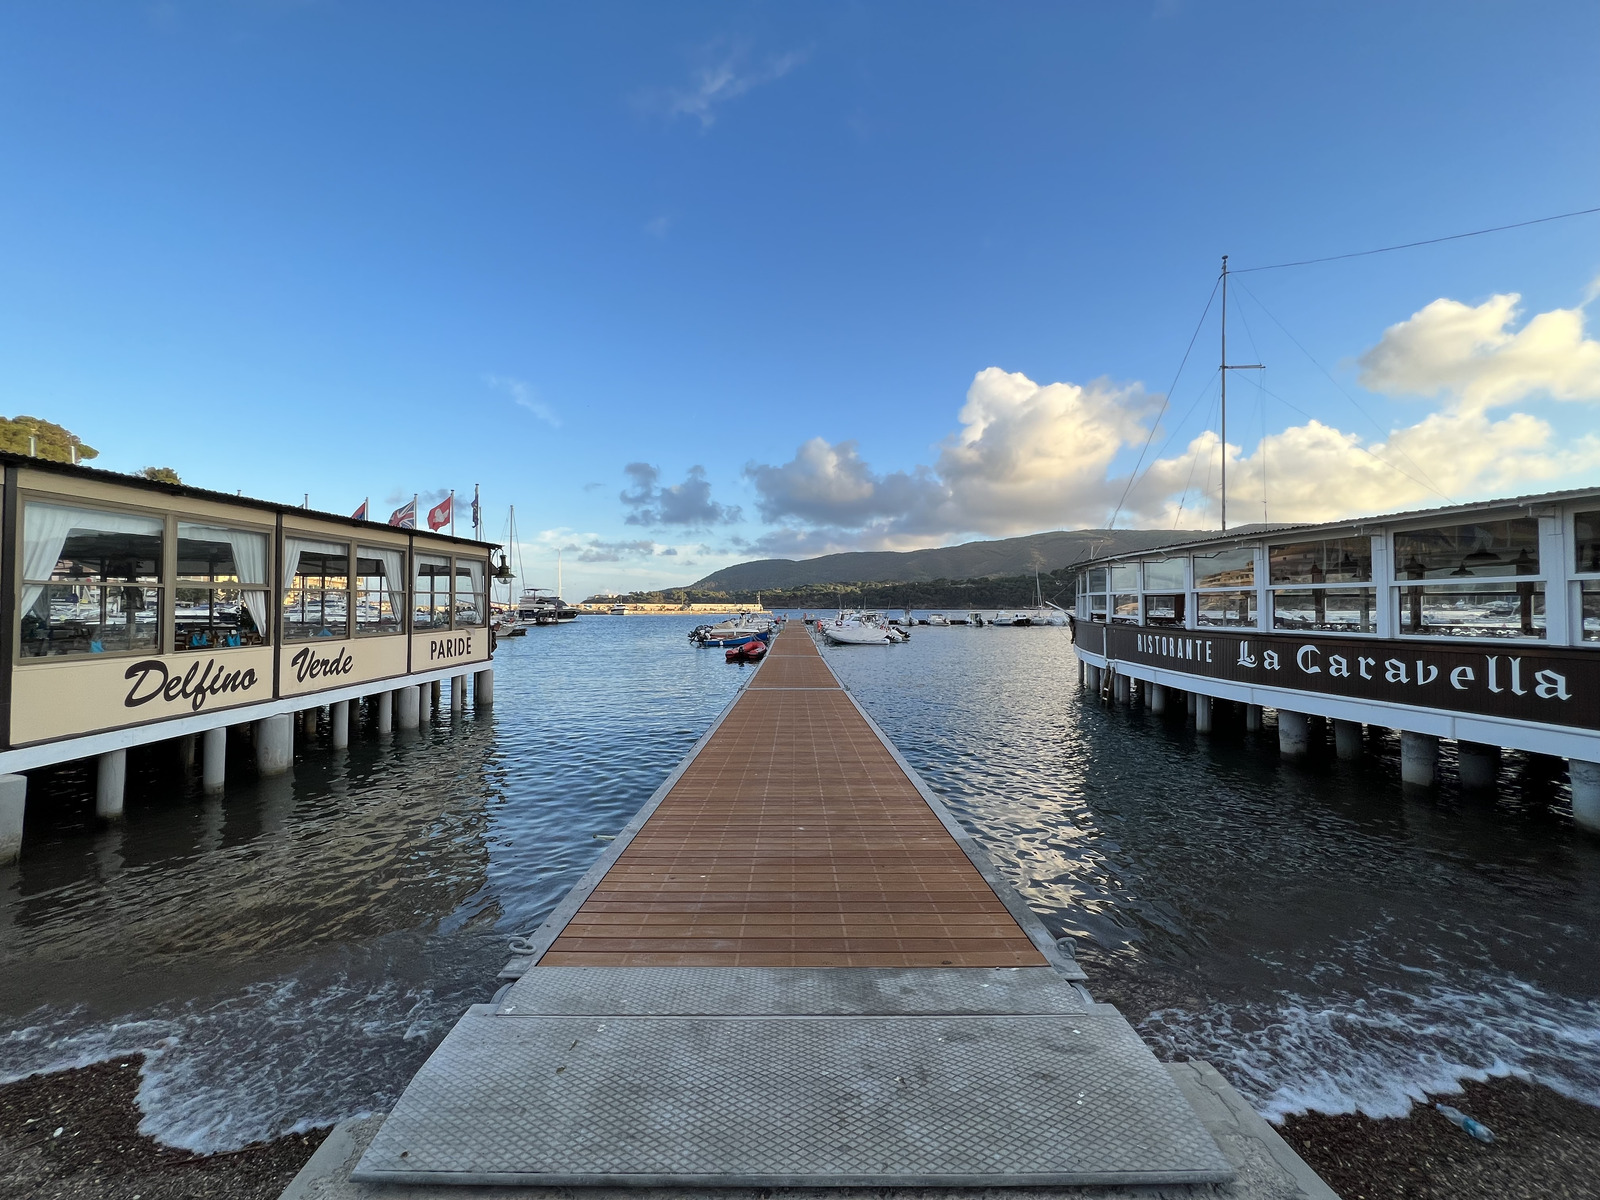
(294, 547)
(46, 527)
(394, 576)
(249, 563)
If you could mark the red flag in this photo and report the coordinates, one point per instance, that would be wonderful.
(439, 515)
(405, 516)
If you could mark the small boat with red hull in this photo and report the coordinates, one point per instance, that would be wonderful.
(751, 651)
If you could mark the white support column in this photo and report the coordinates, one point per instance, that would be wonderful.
(1478, 765)
(483, 689)
(214, 760)
(383, 704)
(1585, 777)
(1294, 734)
(1554, 564)
(1382, 577)
(1202, 714)
(339, 724)
(1119, 688)
(1158, 698)
(1347, 739)
(1419, 758)
(308, 722)
(13, 805)
(407, 707)
(1252, 718)
(458, 693)
(275, 744)
(111, 780)
(434, 689)
(425, 703)
(186, 752)
(1190, 700)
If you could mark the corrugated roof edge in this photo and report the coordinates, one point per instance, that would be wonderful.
(1246, 532)
(183, 489)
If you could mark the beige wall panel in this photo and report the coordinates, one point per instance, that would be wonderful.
(323, 663)
(440, 648)
(67, 697)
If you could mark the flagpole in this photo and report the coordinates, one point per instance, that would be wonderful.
(452, 512)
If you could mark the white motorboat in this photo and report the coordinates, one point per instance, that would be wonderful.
(858, 629)
(938, 619)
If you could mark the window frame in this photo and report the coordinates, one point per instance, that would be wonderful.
(274, 600)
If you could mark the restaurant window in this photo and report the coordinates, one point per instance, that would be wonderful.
(1235, 568)
(1236, 609)
(1097, 606)
(1589, 609)
(1491, 549)
(1333, 560)
(1164, 608)
(1484, 610)
(1326, 610)
(469, 592)
(1586, 533)
(1166, 575)
(1125, 577)
(380, 589)
(221, 589)
(1097, 579)
(91, 581)
(316, 589)
(1125, 608)
(432, 604)
(1093, 600)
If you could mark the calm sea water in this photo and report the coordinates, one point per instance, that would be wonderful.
(288, 955)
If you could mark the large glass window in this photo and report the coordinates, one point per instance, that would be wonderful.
(380, 589)
(91, 581)
(469, 592)
(1226, 608)
(316, 595)
(1125, 608)
(1125, 577)
(1234, 568)
(1334, 560)
(1492, 549)
(1330, 610)
(1589, 607)
(1163, 608)
(1167, 575)
(221, 597)
(1498, 610)
(432, 605)
(1586, 533)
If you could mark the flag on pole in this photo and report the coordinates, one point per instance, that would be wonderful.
(441, 514)
(405, 516)
(476, 516)
(360, 514)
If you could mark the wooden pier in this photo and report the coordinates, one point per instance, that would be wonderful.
(794, 968)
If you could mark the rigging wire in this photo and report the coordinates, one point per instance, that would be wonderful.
(1261, 408)
(1328, 375)
(1194, 460)
(1165, 400)
(1453, 237)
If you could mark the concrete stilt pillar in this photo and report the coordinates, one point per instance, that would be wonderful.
(1083, 670)
(383, 704)
(1119, 688)
(339, 724)
(1202, 714)
(458, 693)
(1479, 765)
(308, 722)
(1585, 777)
(434, 689)
(483, 688)
(1189, 702)
(1294, 734)
(13, 804)
(407, 705)
(1252, 718)
(1419, 758)
(1347, 739)
(186, 752)
(1158, 698)
(110, 783)
(425, 703)
(275, 744)
(214, 760)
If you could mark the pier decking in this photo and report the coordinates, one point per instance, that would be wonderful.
(793, 968)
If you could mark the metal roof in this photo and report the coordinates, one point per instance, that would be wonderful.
(1258, 531)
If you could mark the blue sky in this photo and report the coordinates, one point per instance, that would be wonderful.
(690, 284)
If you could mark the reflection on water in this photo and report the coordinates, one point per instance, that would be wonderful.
(291, 952)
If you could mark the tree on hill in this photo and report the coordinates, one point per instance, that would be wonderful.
(161, 474)
(50, 440)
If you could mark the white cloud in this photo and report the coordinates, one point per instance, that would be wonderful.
(688, 503)
(722, 77)
(1473, 357)
(524, 395)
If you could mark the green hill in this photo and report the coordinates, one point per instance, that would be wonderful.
(1042, 552)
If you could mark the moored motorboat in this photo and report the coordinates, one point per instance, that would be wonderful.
(751, 651)
(938, 619)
